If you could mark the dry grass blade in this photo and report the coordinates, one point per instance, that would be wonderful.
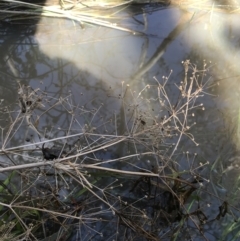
(129, 180)
(54, 11)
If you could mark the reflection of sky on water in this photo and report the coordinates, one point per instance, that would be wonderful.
(84, 63)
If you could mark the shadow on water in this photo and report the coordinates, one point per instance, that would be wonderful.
(14, 34)
(104, 89)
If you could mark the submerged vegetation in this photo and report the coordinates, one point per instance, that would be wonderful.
(101, 179)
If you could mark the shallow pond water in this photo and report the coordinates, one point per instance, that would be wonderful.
(107, 83)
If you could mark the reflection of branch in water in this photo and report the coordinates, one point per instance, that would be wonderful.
(162, 48)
